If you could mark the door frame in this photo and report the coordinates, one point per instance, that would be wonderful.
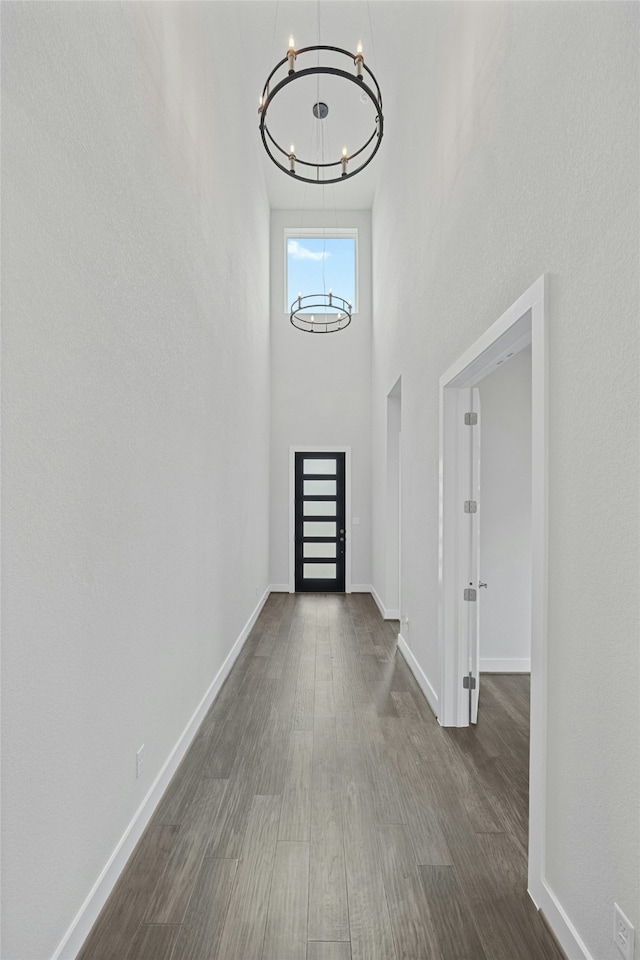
(524, 322)
(333, 448)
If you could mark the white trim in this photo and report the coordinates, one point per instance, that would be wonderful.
(387, 614)
(74, 938)
(336, 448)
(505, 665)
(379, 603)
(384, 611)
(279, 588)
(526, 318)
(421, 678)
(360, 588)
(564, 931)
(539, 585)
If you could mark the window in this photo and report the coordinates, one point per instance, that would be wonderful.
(318, 262)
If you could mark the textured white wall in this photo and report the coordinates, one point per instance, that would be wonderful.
(505, 517)
(321, 392)
(522, 158)
(135, 383)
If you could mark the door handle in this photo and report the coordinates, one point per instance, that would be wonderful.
(481, 584)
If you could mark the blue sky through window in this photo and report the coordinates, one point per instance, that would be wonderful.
(317, 265)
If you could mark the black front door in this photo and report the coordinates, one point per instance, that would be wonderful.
(320, 522)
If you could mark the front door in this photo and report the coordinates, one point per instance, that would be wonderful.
(320, 527)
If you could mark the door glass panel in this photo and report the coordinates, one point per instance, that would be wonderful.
(320, 487)
(318, 528)
(319, 508)
(319, 571)
(319, 466)
(319, 549)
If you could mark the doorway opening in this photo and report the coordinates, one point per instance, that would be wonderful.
(523, 324)
(504, 517)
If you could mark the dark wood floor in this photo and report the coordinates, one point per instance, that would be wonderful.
(322, 814)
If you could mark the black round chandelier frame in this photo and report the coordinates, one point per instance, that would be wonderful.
(320, 301)
(274, 150)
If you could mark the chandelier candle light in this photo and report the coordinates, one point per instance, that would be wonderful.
(291, 55)
(321, 62)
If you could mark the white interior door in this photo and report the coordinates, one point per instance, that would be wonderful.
(466, 518)
(474, 554)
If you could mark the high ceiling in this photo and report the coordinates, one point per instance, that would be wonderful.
(265, 27)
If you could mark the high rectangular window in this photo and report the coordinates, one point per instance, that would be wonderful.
(318, 261)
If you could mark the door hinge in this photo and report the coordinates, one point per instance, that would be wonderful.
(470, 419)
(469, 683)
(471, 506)
(470, 593)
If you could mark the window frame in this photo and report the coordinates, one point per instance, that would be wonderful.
(315, 233)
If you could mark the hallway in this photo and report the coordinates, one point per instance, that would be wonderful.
(322, 813)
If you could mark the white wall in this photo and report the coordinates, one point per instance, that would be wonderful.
(505, 516)
(321, 392)
(135, 380)
(521, 158)
(391, 598)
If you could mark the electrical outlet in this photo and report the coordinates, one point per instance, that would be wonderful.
(623, 933)
(139, 762)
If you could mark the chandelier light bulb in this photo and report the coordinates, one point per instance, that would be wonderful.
(291, 55)
(359, 60)
(345, 160)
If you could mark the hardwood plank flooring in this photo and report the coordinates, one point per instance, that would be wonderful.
(244, 927)
(286, 933)
(322, 813)
(202, 927)
(326, 950)
(328, 904)
(153, 942)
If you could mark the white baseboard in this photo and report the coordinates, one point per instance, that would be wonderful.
(78, 932)
(423, 681)
(379, 603)
(385, 612)
(562, 927)
(279, 588)
(360, 588)
(505, 665)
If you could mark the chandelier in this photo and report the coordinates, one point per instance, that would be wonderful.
(329, 66)
(303, 318)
